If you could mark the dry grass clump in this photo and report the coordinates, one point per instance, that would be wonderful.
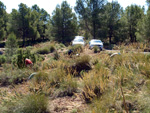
(64, 83)
(95, 83)
(131, 47)
(77, 49)
(40, 84)
(81, 64)
(67, 87)
(145, 69)
(33, 103)
(52, 64)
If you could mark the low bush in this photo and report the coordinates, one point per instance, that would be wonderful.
(2, 59)
(77, 49)
(81, 64)
(40, 77)
(43, 50)
(56, 77)
(46, 49)
(22, 54)
(32, 103)
(14, 76)
(40, 84)
(67, 87)
(95, 83)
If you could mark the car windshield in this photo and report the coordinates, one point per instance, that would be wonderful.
(79, 40)
(79, 37)
(97, 41)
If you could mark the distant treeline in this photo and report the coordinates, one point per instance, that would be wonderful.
(93, 19)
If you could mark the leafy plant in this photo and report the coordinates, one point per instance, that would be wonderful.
(2, 59)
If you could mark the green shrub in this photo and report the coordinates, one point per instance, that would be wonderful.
(43, 50)
(77, 49)
(57, 77)
(22, 54)
(2, 59)
(14, 76)
(33, 103)
(46, 49)
(40, 77)
(68, 87)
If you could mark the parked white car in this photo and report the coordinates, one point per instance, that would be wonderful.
(79, 37)
(78, 41)
(96, 42)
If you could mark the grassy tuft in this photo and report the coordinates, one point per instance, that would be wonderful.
(95, 83)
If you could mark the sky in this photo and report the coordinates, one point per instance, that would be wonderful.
(50, 5)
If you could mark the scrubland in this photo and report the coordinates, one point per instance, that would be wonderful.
(90, 82)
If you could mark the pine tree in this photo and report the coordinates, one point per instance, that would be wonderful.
(91, 12)
(134, 14)
(112, 14)
(11, 46)
(3, 21)
(64, 23)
